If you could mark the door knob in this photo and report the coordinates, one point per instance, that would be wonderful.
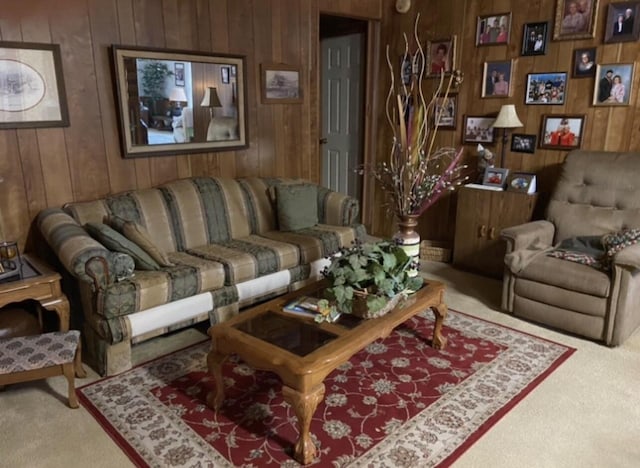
(323, 141)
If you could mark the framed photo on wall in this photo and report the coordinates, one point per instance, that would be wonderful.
(546, 88)
(584, 62)
(522, 143)
(32, 86)
(441, 56)
(493, 29)
(496, 79)
(534, 39)
(446, 112)
(622, 22)
(478, 129)
(562, 132)
(613, 84)
(224, 74)
(178, 73)
(280, 84)
(575, 19)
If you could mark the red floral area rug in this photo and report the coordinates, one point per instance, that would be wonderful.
(397, 403)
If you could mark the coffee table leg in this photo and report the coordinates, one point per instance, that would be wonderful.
(214, 363)
(304, 405)
(440, 313)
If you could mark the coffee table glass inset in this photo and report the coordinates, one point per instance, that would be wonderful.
(302, 353)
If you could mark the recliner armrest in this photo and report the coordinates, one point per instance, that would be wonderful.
(538, 233)
(629, 257)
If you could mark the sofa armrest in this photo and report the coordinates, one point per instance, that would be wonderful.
(538, 233)
(337, 208)
(628, 258)
(75, 249)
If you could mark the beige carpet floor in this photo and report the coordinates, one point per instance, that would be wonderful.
(586, 414)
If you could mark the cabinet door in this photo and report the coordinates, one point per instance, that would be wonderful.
(472, 222)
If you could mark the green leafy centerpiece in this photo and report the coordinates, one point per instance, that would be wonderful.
(367, 279)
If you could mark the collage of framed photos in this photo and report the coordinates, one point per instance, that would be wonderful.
(574, 19)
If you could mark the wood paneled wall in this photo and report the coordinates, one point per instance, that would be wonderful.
(49, 167)
(607, 128)
(52, 166)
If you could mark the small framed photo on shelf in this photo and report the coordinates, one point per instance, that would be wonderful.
(523, 182)
(496, 79)
(584, 63)
(446, 112)
(495, 176)
(478, 129)
(534, 39)
(562, 132)
(493, 29)
(575, 19)
(441, 56)
(613, 84)
(622, 23)
(521, 143)
(546, 88)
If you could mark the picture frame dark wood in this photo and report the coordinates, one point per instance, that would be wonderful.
(494, 29)
(535, 38)
(623, 24)
(178, 73)
(441, 56)
(548, 88)
(523, 143)
(521, 182)
(478, 129)
(584, 63)
(562, 131)
(497, 79)
(35, 96)
(224, 74)
(280, 84)
(575, 19)
(446, 112)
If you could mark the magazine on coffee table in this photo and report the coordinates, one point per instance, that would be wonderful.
(303, 305)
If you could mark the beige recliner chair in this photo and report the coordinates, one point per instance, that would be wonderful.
(597, 193)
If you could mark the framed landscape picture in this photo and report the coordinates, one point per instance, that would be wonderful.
(478, 129)
(496, 79)
(280, 84)
(546, 88)
(493, 29)
(534, 39)
(562, 131)
(521, 143)
(441, 56)
(584, 62)
(613, 84)
(622, 22)
(575, 19)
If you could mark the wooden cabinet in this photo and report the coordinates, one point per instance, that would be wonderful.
(480, 216)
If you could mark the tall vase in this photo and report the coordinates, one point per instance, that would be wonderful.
(409, 240)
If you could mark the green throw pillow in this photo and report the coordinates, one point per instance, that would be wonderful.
(297, 206)
(137, 234)
(115, 241)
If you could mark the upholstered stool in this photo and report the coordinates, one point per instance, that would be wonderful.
(40, 356)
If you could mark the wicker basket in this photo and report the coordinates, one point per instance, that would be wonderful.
(436, 251)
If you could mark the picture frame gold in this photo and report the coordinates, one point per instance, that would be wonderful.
(575, 19)
(494, 76)
(613, 85)
(562, 132)
(439, 62)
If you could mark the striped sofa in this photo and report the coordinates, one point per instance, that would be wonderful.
(222, 237)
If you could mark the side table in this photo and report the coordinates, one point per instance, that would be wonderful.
(39, 283)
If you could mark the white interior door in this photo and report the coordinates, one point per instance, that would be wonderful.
(341, 142)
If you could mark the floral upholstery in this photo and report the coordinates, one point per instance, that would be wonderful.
(27, 353)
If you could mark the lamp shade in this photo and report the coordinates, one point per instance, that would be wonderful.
(178, 95)
(211, 98)
(507, 117)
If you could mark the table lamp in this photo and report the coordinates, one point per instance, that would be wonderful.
(211, 100)
(507, 118)
(178, 96)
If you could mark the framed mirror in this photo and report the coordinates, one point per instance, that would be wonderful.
(174, 102)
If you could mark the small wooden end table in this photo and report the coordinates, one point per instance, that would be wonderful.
(302, 352)
(41, 284)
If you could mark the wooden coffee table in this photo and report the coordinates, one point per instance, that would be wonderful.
(302, 352)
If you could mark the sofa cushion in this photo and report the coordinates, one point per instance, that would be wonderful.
(115, 241)
(139, 236)
(189, 276)
(297, 206)
(249, 257)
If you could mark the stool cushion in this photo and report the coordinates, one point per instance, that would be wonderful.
(27, 353)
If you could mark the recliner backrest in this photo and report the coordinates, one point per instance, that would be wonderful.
(598, 192)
